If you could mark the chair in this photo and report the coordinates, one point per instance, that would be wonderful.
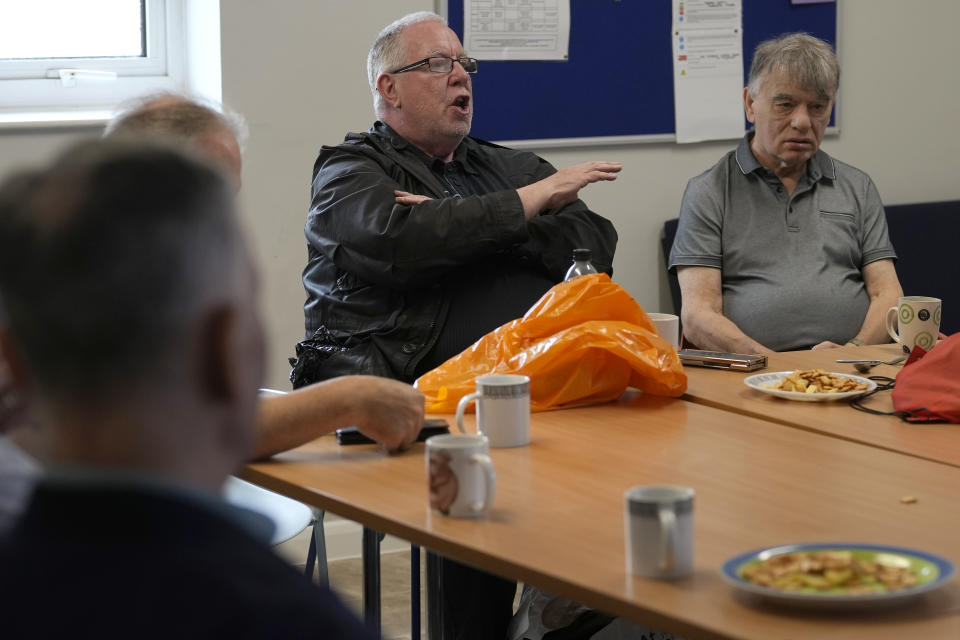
(666, 243)
(923, 234)
(289, 516)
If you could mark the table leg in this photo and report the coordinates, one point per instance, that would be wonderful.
(414, 592)
(434, 594)
(371, 579)
(320, 542)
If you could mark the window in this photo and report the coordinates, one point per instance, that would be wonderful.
(64, 55)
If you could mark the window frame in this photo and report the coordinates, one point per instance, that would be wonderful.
(29, 87)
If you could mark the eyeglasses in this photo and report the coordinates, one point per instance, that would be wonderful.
(441, 64)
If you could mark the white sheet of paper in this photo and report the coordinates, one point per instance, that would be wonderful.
(707, 14)
(707, 69)
(519, 30)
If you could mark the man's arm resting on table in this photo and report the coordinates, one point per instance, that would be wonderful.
(884, 290)
(703, 321)
(388, 411)
(883, 287)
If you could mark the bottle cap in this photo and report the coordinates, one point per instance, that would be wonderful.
(582, 254)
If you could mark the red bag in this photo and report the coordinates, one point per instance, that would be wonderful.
(583, 342)
(928, 386)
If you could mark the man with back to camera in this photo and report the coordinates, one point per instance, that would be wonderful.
(780, 246)
(386, 410)
(422, 239)
(147, 394)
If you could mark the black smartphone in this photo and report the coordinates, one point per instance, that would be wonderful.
(431, 427)
(721, 360)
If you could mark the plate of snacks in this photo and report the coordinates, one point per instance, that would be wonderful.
(837, 574)
(810, 385)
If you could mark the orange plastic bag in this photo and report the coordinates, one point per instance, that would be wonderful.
(583, 342)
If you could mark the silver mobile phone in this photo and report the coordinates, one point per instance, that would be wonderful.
(721, 360)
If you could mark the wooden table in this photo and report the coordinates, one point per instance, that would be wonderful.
(558, 518)
(725, 390)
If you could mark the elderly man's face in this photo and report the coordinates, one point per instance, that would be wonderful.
(789, 123)
(439, 106)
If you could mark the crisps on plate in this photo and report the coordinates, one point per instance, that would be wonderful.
(817, 381)
(828, 570)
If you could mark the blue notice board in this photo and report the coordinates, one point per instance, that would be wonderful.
(618, 79)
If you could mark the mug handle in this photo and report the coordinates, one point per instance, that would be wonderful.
(668, 534)
(889, 323)
(490, 488)
(462, 406)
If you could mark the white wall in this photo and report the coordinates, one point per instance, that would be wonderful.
(296, 70)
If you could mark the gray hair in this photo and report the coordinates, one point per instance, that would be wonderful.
(106, 258)
(387, 51)
(808, 61)
(176, 115)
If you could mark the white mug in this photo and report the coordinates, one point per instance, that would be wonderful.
(668, 327)
(460, 476)
(503, 409)
(659, 531)
(917, 321)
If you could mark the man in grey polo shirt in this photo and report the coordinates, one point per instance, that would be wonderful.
(779, 245)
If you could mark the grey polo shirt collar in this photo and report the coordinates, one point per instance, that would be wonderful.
(820, 165)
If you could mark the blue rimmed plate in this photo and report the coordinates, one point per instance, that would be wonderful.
(764, 383)
(932, 572)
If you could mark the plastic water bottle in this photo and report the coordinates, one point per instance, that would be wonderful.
(581, 264)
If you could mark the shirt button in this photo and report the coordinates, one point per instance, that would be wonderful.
(408, 348)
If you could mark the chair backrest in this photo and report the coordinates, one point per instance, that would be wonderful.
(924, 236)
(666, 242)
(289, 517)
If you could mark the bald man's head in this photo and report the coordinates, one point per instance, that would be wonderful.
(210, 132)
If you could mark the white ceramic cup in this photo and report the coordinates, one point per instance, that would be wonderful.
(503, 409)
(658, 525)
(460, 478)
(917, 319)
(668, 326)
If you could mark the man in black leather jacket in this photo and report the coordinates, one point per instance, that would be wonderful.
(422, 239)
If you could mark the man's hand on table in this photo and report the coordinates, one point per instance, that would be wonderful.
(826, 344)
(387, 411)
(390, 413)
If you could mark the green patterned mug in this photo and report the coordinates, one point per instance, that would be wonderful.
(917, 322)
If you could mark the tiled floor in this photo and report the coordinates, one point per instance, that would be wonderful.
(346, 579)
